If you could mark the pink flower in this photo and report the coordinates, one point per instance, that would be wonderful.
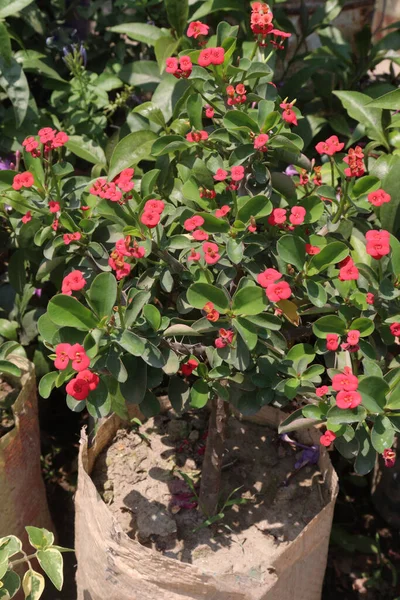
(124, 180)
(27, 217)
(193, 222)
(54, 206)
(91, 378)
(189, 366)
(395, 329)
(225, 338)
(322, 391)
(217, 56)
(54, 225)
(237, 173)
(150, 218)
(355, 160)
(154, 205)
(346, 381)
(210, 112)
(370, 298)
(123, 271)
(279, 38)
(348, 399)
(353, 337)
(197, 28)
(186, 65)
(197, 136)
(219, 343)
(348, 271)
(332, 341)
(278, 291)
(195, 256)
(312, 250)
(212, 314)
(379, 197)
(277, 217)
(378, 243)
(260, 142)
(297, 215)
(330, 146)
(71, 237)
(327, 438)
(221, 175)
(73, 282)
(211, 253)
(389, 456)
(80, 361)
(205, 58)
(221, 212)
(62, 356)
(78, 388)
(23, 180)
(59, 140)
(200, 235)
(31, 144)
(268, 276)
(46, 134)
(288, 114)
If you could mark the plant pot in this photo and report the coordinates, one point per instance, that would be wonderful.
(22, 492)
(112, 566)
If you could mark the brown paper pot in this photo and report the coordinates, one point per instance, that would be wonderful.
(22, 493)
(111, 566)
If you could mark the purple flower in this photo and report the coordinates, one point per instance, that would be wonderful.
(38, 292)
(309, 456)
(5, 164)
(291, 170)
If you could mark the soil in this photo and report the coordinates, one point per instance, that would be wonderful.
(140, 477)
(8, 395)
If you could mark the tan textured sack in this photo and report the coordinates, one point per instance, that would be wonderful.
(111, 566)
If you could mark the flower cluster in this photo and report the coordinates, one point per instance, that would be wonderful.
(327, 438)
(330, 146)
(197, 136)
(355, 160)
(236, 174)
(211, 56)
(49, 138)
(346, 384)
(261, 19)
(351, 344)
(378, 197)
(180, 68)
(212, 314)
(236, 95)
(260, 142)
(395, 329)
(378, 243)
(279, 216)
(73, 282)
(124, 249)
(152, 212)
(275, 291)
(348, 270)
(75, 353)
(116, 189)
(225, 338)
(288, 114)
(71, 237)
(21, 180)
(80, 386)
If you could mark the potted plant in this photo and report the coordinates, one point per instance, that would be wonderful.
(212, 257)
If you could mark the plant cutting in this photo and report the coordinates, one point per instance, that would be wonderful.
(212, 258)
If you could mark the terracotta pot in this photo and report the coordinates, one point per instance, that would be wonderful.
(112, 566)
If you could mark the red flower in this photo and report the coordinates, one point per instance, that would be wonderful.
(27, 217)
(31, 144)
(297, 215)
(204, 59)
(211, 314)
(91, 378)
(221, 212)
(189, 366)
(237, 173)
(78, 388)
(217, 56)
(194, 255)
(221, 175)
(193, 222)
(378, 243)
(23, 180)
(71, 237)
(332, 341)
(172, 65)
(278, 291)
(268, 276)
(330, 146)
(395, 329)
(277, 217)
(261, 19)
(225, 338)
(370, 298)
(379, 197)
(123, 271)
(211, 255)
(54, 225)
(124, 180)
(288, 114)
(389, 456)
(312, 250)
(348, 399)
(200, 235)
(197, 28)
(322, 391)
(304, 178)
(260, 142)
(54, 206)
(150, 218)
(355, 160)
(180, 68)
(327, 438)
(353, 337)
(348, 271)
(279, 38)
(73, 282)
(62, 356)
(345, 381)
(154, 205)
(80, 361)
(197, 136)
(46, 134)
(59, 140)
(210, 112)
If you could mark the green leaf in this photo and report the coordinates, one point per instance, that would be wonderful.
(39, 538)
(178, 14)
(316, 293)
(66, 311)
(291, 249)
(178, 393)
(214, 225)
(199, 394)
(103, 294)
(247, 331)
(10, 7)
(382, 435)
(151, 112)
(5, 44)
(373, 391)
(355, 104)
(33, 585)
(144, 74)
(47, 384)
(266, 321)
(199, 294)
(194, 107)
(365, 326)
(180, 329)
(153, 356)
(135, 306)
(11, 544)
(141, 32)
(235, 119)
(366, 458)
(296, 421)
(329, 324)
(11, 584)
(390, 101)
(165, 47)
(390, 212)
(87, 149)
(15, 84)
(134, 388)
(130, 151)
(235, 251)
(9, 368)
(314, 209)
(338, 416)
(331, 254)
(364, 185)
(169, 143)
(149, 181)
(152, 316)
(132, 343)
(99, 401)
(257, 207)
(249, 301)
(150, 406)
(51, 562)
